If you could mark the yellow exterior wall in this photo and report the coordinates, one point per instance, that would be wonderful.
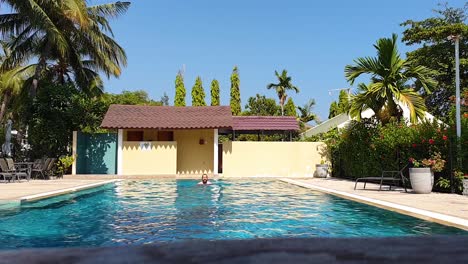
(289, 159)
(193, 158)
(161, 159)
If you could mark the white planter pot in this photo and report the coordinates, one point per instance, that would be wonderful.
(465, 187)
(321, 170)
(422, 179)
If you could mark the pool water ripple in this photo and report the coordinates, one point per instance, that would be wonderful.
(140, 212)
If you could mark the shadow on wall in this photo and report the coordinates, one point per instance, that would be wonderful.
(150, 145)
(96, 153)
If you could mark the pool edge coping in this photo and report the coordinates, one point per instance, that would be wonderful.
(45, 195)
(403, 209)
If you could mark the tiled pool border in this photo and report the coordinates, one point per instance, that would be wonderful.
(403, 209)
(6, 204)
(40, 196)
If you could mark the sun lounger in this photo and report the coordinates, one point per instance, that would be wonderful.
(390, 178)
(5, 171)
(20, 172)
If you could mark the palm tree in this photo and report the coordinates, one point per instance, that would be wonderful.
(284, 84)
(389, 86)
(67, 32)
(305, 112)
(12, 81)
(11, 84)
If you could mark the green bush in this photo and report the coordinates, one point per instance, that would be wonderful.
(365, 148)
(63, 165)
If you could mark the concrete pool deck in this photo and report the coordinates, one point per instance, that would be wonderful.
(40, 189)
(444, 208)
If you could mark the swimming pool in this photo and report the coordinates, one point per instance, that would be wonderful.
(139, 212)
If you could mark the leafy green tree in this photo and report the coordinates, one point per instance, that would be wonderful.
(179, 99)
(390, 80)
(198, 94)
(68, 33)
(138, 97)
(91, 110)
(342, 106)
(305, 112)
(214, 92)
(290, 108)
(436, 52)
(284, 84)
(261, 106)
(53, 120)
(235, 102)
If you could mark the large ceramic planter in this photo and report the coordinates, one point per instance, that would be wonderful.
(465, 186)
(321, 170)
(422, 179)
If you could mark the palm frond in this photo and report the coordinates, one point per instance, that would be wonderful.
(111, 10)
(414, 102)
(76, 11)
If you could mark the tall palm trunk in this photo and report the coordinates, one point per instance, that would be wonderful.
(282, 100)
(40, 67)
(5, 101)
(37, 74)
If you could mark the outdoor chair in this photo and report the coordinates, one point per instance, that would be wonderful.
(18, 170)
(5, 171)
(49, 171)
(40, 167)
(387, 177)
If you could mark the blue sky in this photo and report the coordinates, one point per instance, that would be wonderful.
(313, 40)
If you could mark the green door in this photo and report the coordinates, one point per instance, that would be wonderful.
(96, 153)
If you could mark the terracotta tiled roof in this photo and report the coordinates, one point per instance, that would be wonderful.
(167, 117)
(279, 123)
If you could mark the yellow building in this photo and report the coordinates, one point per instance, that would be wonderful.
(167, 140)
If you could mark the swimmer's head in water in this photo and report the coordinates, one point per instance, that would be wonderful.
(204, 178)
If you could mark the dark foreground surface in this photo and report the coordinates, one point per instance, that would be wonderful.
(453, 249)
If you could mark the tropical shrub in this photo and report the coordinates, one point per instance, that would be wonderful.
(444, 183)
(435, 162)
(366, 147)
(63, 164)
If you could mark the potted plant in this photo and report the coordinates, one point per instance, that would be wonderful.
(63, 165)
(465, 182)
(422, 172)
(321, 170)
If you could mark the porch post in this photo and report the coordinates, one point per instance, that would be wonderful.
(119, 152)
(74, 146)
(215, 151)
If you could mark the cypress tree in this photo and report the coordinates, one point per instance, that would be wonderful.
(214, 92)
(334, 110)
(198, 94)
(343, 101)
(290, 108)
(179, 98)
(235, 92)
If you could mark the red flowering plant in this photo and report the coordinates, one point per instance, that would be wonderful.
(435, 162)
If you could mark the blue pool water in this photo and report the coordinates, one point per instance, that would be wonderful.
(139, 212)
